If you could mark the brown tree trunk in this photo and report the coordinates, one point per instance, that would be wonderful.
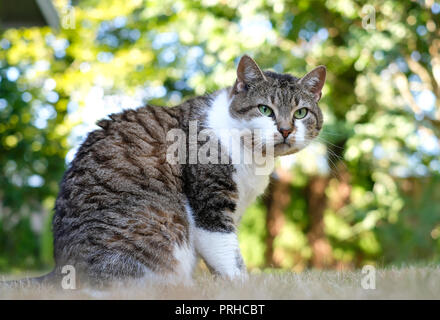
(277, 200)
(316, 203)
(340, 199)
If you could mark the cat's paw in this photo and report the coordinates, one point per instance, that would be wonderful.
(244, 277)
(239, 275)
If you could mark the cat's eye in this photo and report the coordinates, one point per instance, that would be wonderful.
(300, 113)
(265, 110)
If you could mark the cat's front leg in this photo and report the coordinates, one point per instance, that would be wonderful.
(221, 252)
(213, 195)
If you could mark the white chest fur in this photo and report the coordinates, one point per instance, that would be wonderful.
(250, 183)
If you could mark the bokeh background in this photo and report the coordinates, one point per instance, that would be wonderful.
(366, 192)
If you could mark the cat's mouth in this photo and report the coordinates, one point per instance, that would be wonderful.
(284, 148)
(283, 143)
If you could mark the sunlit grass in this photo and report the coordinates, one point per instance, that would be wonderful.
(410, 282)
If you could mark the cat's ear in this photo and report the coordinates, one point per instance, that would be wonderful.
(247, 72)
(314, 81)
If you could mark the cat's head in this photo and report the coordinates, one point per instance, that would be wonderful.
(279, 103)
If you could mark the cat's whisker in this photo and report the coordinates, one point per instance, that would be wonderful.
(335, 170)
(328, 142)
(340, 163)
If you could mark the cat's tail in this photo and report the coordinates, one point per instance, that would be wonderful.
(47, 279)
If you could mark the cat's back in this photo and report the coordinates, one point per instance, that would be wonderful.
(131, 146)
(120, 189)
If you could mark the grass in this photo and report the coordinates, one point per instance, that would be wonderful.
(412, 282)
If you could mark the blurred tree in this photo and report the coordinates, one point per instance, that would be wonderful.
(276, 202)
(33, 144)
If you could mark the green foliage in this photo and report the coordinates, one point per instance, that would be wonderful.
(378, 129)
(253, 235)
(32, 155)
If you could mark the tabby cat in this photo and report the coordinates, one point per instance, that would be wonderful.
(125, 211)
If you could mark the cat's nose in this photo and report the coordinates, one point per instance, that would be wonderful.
(285, 132)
